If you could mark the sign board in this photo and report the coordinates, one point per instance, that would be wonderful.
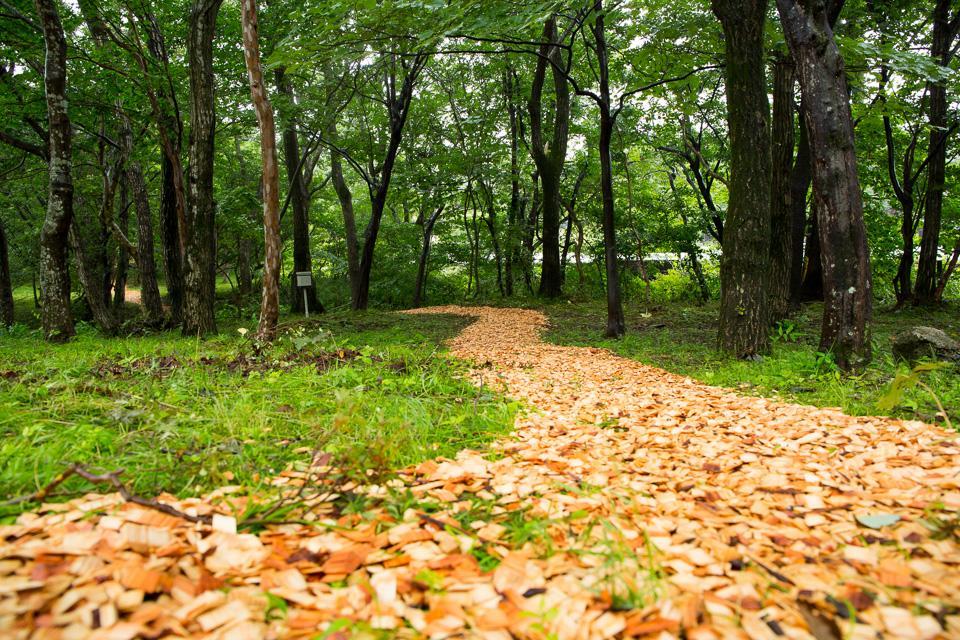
(304, 279)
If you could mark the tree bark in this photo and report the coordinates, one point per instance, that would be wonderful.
(421, 285)
(514, 215)
(201, 250)
(6, 284)
(169, 231)
(616, 324)
(945, 29)
(173, 197)
(781, 210)
(123, 254)
(56, 315)
(549, 156)
(244, 271)
(299, 199)
(270, 302)
(150, 300)
(349, 220)
(799, 187)
(848, 297)
(744, 304)
(88, 264)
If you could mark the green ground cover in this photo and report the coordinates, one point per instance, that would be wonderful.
(186, 415)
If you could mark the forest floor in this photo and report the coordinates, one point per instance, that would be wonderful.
(630, 502)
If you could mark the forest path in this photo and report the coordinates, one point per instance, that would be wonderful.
(753, 504)
(630, 502)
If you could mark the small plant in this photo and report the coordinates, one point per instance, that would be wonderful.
(787, 331)
(895, 396)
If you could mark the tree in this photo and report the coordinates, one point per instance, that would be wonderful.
(56, 315)
(549, 155)
(270, 302)
(200, 255)
(6, 286)
(848, 297)
(744, 307)
(782, 227)
(946, 27)
(149, 290)
(299, 196)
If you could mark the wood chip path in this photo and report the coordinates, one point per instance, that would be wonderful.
(631, 502)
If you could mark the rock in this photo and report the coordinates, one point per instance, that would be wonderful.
(918, 343)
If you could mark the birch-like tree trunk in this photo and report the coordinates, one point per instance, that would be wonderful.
(270, 302)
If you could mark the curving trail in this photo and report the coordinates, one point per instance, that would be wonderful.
(630, 503)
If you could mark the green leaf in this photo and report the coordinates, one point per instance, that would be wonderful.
(877, 520)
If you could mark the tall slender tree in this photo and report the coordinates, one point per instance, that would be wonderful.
(299, 195)
(946, 28)
(549, 155)
(270, 301)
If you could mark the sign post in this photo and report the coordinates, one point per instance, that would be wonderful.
(305, 281)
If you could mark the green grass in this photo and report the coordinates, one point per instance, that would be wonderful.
(682, 338)
(189, 425)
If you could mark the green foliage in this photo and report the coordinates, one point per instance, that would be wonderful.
(914, 378)
(184, 416)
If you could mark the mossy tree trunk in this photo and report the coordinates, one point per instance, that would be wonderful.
(56, 315)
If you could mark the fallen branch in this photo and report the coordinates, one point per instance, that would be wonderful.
(113, 479)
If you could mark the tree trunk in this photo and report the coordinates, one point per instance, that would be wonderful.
(169, 232)
(150, 300)
(744, 305)
(200, 260)
(349, 224)
(398, 107)
(945, 30)
(56, 316)
(811, 285)
(848, 297)
(421, 285)
(799, 186)
(244, 271)
(491, 221)
(514, 215)
(88, 263)
(270, 302)
(6, 285)
(781, 211)
(529, 233)
(616, 324)
(299, 200)
(173, 197)
(123, 254)
(549, 156)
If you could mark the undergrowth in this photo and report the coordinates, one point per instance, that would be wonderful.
(184, 415)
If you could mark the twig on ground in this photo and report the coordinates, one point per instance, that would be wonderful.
(111, 478)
